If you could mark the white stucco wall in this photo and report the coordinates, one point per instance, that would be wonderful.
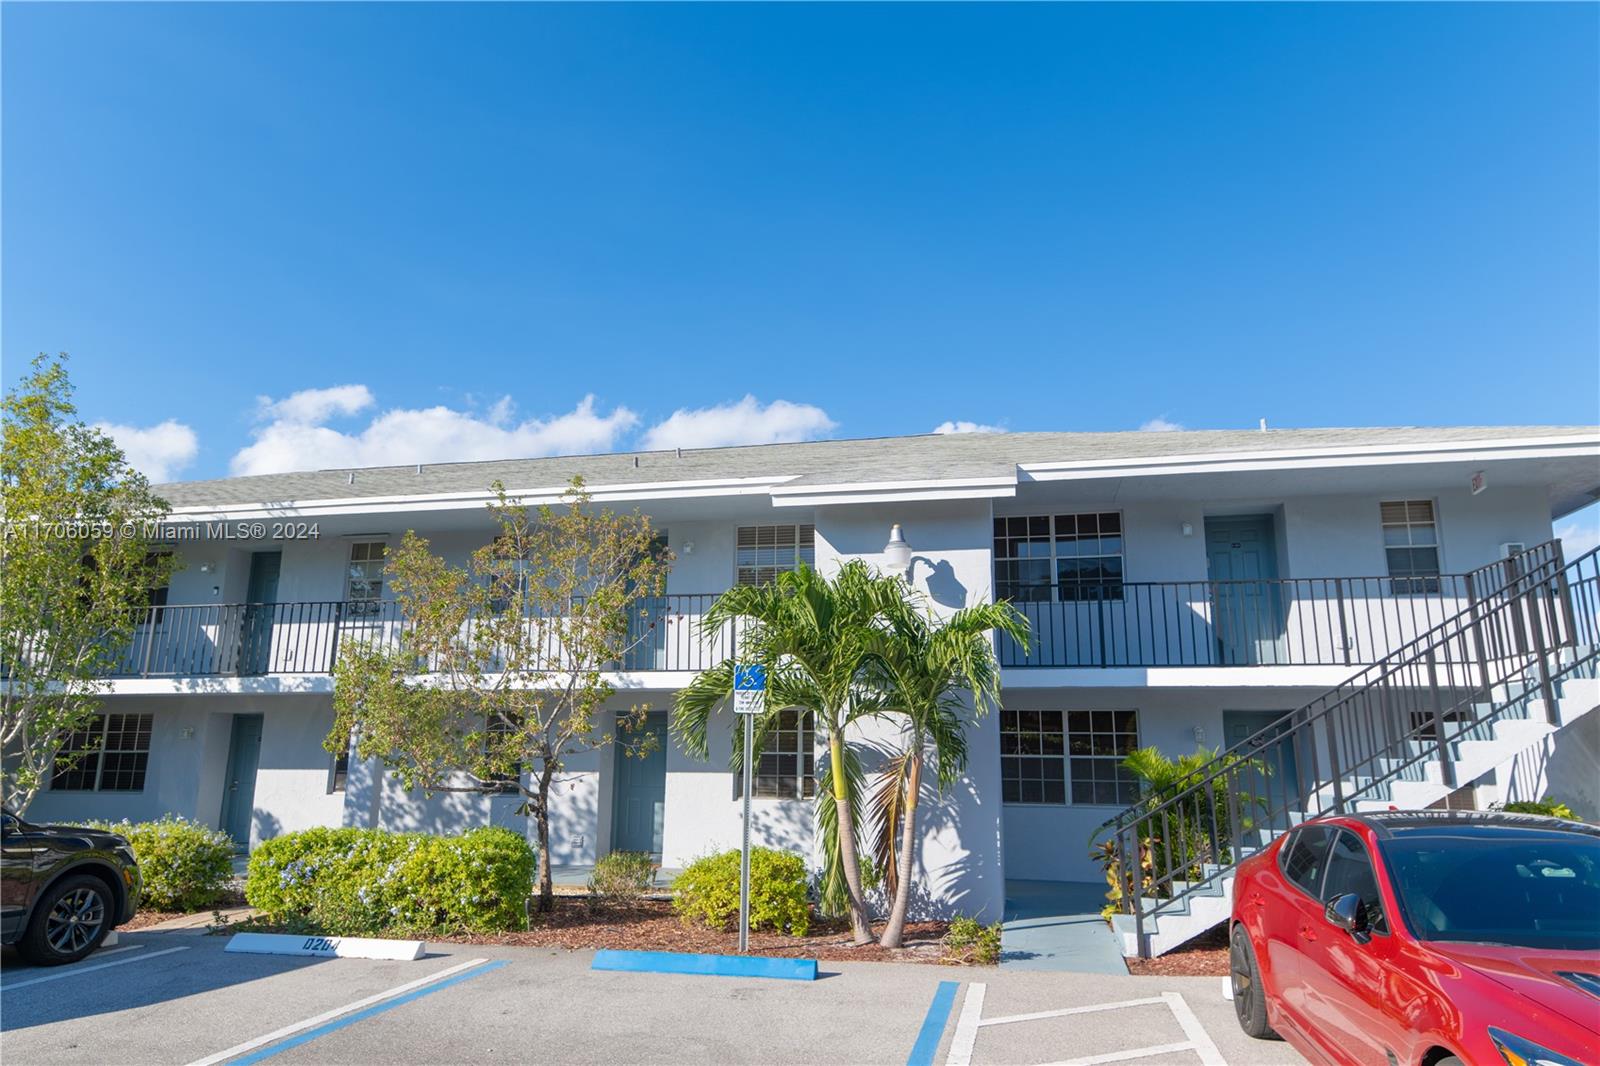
(960, 848)
(188, 765)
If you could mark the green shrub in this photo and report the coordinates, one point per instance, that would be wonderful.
(1550, 807)
(371, 881)
(186, 866)
(707, 891)
(968, 940)
(623, 875)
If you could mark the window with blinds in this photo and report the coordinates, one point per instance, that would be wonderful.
(1411, 545)
(763, 552)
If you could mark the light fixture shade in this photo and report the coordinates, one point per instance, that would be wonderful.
(897, 553)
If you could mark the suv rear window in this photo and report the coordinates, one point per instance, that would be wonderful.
(1305, 856)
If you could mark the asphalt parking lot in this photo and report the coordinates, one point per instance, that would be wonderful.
(176, 998)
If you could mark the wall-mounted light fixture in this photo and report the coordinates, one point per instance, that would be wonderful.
(1188, 529)
(897, 554)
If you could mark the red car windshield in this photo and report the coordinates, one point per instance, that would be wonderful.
(1492, 886)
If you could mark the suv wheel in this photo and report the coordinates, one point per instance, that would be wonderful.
(71, 918)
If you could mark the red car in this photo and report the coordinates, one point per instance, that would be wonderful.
(1423, 938)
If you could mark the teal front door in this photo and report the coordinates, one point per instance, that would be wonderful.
(1275, 785)
(639, 799)
(255, 636)
(1246, 600)
(239, 789)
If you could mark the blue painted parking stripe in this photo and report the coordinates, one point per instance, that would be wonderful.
(388, 1004)
(706, 965)
(927, 1044)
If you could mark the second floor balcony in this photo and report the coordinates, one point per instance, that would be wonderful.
(1336, 621)
(262, 639)
(1290, 622)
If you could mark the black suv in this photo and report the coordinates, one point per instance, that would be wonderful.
(62, 889)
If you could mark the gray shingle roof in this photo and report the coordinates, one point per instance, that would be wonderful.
(930, 456)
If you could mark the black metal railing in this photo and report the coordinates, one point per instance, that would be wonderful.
(1317, 621)
(255, 639)
(1531, 623)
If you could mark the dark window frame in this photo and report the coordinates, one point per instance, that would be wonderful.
(1041, 558)
(130, 763)
(1043, 755)
(773, 781)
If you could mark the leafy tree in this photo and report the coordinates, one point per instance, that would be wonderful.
(76, 569)
(499, 676)
(926, 668)
(814, 635)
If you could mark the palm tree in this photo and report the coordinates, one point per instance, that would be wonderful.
(813, 635)
(1188, 826)
(925, 667)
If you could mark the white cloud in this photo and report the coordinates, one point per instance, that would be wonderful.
(1580, 531)
(158, 452)
(315, 406)
(1160, 424)
(744, 422)
(293, 437)
(966, 427)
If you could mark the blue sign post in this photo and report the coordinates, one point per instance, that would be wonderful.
(749, 700)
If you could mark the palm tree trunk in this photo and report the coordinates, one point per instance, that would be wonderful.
(860, 926)
(894, 932)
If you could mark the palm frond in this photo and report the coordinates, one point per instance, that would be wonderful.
(885, 813)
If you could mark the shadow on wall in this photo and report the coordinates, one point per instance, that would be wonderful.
(1565, 765)
(959, 884)
(264, 825)
(784, 825)
(949, 885)
(941, 582)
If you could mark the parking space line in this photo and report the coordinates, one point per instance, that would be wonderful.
(1199, 1041)
(1124, 1056)
(1063, 1012)
(966, 1034)
(374, 1004)
(928, 1037)
(1204, 1046)
(75, 970)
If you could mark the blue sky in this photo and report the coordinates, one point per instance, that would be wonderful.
(283, 235)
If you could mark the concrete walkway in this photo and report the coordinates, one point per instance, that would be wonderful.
(1056, 925)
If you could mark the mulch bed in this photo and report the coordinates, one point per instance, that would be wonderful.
(1204, 956)
(143, 918)
(651, 925)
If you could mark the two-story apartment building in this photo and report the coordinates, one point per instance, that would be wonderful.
(1185, 589)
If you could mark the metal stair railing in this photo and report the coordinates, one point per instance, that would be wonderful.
(1534, 625)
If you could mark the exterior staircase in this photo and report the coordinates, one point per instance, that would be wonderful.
(1460, 702)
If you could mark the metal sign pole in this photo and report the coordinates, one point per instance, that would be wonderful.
(749, 700)
(744, 853)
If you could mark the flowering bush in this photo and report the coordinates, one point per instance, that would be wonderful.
(708, 891)
(185, 865)
(370, 881)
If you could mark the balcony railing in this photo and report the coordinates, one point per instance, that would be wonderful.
(1334, 621)
(256, 639)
